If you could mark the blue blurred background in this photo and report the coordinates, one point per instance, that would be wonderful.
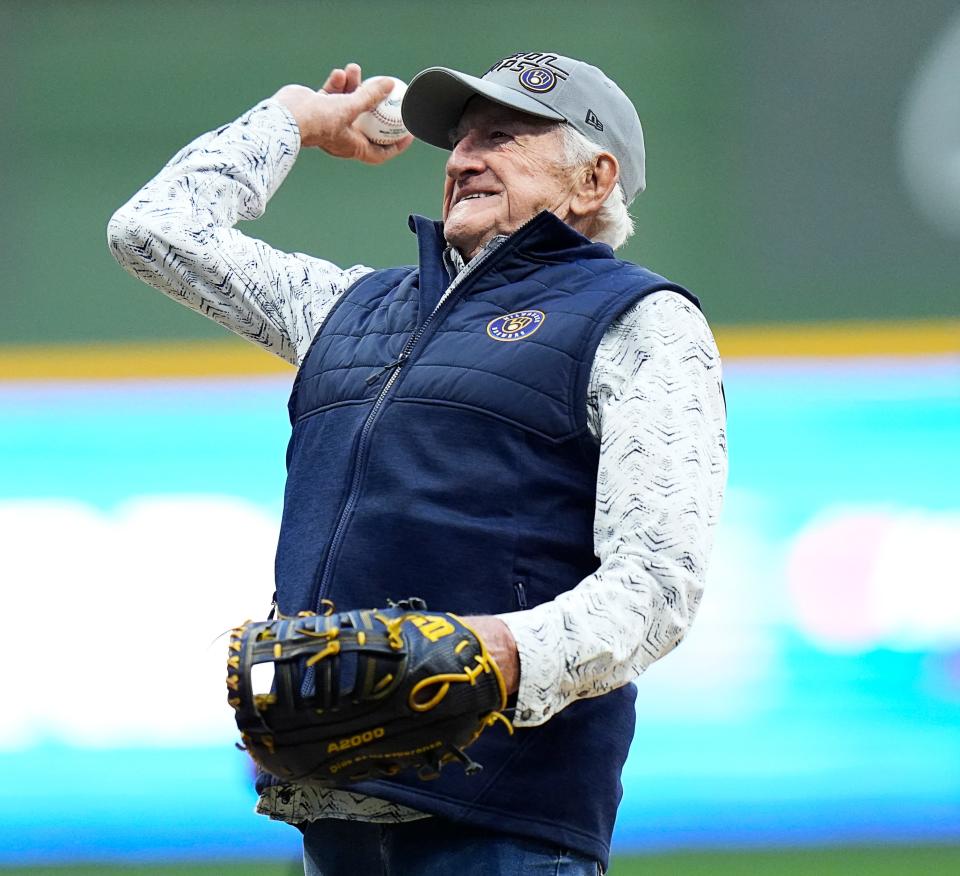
(802, 180)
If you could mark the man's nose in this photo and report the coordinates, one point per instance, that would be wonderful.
(465, 158)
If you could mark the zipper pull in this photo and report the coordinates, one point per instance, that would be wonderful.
(521, 593)
(373, 378)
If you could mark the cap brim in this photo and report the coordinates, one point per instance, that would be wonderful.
(436, 98)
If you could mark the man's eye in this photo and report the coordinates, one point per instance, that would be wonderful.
(499, 135)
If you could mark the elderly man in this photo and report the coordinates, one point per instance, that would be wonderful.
(523, 429)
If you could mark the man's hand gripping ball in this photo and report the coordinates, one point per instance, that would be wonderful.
(363, 694)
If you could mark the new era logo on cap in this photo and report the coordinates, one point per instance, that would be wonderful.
(593, 121)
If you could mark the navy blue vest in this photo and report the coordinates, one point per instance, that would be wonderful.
(466, 475)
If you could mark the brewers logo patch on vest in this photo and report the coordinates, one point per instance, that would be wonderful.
(515, 326)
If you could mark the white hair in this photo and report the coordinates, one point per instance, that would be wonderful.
(613, 225)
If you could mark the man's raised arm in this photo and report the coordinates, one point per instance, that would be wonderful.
(177, 235)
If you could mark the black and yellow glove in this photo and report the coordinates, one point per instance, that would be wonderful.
(363, 694)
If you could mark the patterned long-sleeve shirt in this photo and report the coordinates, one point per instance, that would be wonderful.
(654, 403)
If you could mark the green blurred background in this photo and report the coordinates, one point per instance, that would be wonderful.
(775, 188)
(778, 187)
(931, 861)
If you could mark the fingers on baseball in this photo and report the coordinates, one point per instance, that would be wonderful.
(343, 80)
(354, 77)
(335, 81)
(373, 91)
(374, 153)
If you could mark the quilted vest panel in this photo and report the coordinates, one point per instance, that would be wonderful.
(445, 454)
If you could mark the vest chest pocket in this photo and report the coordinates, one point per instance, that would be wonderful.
(346, 370)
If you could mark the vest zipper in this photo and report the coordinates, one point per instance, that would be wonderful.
(373, 378)
(323, 582)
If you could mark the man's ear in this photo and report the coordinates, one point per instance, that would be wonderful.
(595, 183)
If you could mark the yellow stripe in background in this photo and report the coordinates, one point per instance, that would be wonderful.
(831, 339)
(112, 361)
(236, 358)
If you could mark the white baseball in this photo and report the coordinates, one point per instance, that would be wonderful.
(383, 124)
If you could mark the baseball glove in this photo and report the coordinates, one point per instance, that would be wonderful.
(363, 694)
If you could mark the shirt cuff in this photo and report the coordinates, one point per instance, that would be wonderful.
(542, 663)
(277, 116)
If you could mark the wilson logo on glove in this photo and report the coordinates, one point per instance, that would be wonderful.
(433, 627)
(362, 694)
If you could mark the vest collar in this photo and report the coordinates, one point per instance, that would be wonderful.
(454, 263)
(545, 237)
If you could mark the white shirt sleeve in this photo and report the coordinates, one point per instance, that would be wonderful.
(177, 235)
(655, 403)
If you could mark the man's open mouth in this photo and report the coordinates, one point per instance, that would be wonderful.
(475, 196)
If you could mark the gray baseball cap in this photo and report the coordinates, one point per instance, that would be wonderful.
(542, 84)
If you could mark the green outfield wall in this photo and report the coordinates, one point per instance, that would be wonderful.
(778, 189)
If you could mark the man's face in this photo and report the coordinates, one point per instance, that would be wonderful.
(505, 168)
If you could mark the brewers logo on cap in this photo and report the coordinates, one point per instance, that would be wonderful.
(538, 79)
(515, 326)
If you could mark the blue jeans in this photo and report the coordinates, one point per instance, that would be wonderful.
(431, 847)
